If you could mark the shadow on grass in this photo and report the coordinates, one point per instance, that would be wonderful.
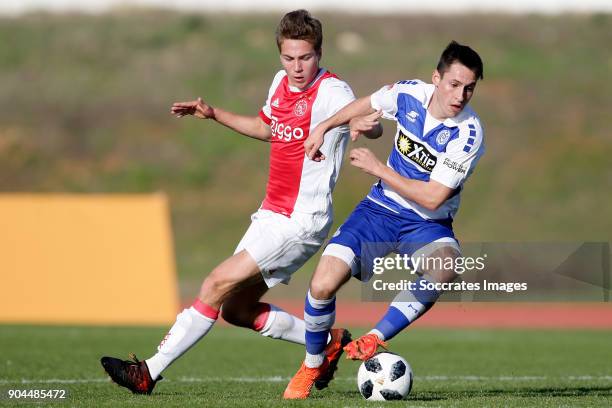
(526, 392)
(413, 397)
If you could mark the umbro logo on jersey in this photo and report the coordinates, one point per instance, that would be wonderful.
(275, 103)
(412, 116)
(416, 152)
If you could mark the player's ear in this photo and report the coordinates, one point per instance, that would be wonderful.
(436, 77)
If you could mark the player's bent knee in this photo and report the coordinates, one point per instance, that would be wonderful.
(322, 289)
(214, 287)
(438, 272)
(330, 275)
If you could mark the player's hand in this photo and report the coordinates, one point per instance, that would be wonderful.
(364, 124)
(197, 108)
(313, 143)
(364, 159)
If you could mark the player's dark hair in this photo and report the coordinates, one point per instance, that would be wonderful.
(300, 25)
(455, 52)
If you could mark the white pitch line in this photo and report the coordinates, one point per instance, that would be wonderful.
(485, 378)
(279, 379)
(590, 377)
(274, 379)
(55, 381)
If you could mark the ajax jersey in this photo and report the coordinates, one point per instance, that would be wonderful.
(425, 148)
(296, 183)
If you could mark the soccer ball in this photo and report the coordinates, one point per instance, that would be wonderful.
(386, 376)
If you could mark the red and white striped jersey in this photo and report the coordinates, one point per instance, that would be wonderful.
(296, 183)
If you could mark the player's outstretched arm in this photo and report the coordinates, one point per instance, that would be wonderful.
(251, 126)
(315, 140)
(428, 194)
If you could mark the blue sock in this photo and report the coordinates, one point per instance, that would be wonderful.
(407, 306)
(319, 316)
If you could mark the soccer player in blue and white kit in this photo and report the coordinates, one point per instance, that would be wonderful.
(409, 210)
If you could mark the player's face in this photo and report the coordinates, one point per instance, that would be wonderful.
(300, 60)
(454, 89)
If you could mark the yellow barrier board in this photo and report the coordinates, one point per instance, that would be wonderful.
(86, 259)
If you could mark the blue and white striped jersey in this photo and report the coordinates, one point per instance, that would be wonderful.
(426, 148)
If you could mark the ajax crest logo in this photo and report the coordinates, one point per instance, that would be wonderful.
(443, 137)
(300, 107)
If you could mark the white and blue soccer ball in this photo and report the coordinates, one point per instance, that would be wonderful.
(385, 376)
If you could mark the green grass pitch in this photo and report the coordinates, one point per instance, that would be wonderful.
(237, 368)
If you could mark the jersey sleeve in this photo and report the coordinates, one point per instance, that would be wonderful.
(457, 163)
(333, 95)
(266, 111)
(385, 99)
(338, 94)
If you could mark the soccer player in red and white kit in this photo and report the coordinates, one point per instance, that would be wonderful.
(292, 222)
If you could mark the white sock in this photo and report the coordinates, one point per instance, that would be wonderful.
(314, 360)
(284, 326)
(190, 327)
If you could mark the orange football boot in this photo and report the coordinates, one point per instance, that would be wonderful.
(301, 384)
(364, 347)
(333, 352)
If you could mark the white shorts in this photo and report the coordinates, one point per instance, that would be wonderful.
(281, 245)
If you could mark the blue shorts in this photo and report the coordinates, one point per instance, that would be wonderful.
(374, 231)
